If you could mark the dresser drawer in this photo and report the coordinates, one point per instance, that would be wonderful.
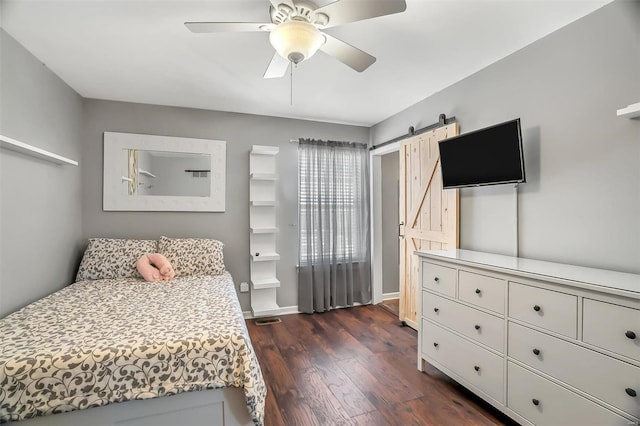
(605, 378)
(474, 324)
(612, 327)
(555, 404)
(544, 308)
(472, 363)
(481, 290)
(439, 278)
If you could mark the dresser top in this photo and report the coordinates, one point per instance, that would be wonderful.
(577, 276)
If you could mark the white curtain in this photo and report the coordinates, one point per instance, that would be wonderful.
(334, 235)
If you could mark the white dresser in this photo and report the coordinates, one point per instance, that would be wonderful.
(546, 343)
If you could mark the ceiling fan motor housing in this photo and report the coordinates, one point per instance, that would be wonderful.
(302, 11)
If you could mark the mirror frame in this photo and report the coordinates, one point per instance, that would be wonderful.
(114, 200)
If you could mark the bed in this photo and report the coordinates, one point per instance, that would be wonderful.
(169, 352)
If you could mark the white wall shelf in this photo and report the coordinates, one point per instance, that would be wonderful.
(632, 111)
(263, 203)
(265, 305)
(23, 148)
(264, 176)
(262, 230)
(146, 173)
(265, 257)
(264, 150)
(258, 283)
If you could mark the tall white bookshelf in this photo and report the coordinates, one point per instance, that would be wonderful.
(262, 230)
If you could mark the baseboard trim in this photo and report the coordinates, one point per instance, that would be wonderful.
(288, 310)
(394, 295)
(285, 310)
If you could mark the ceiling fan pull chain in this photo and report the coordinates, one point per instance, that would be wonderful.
(291, 84)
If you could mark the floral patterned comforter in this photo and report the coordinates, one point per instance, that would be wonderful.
(103, 341)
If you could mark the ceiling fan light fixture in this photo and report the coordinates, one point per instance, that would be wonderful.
(296, 40)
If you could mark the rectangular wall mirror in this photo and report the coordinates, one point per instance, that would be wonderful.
(163, 173)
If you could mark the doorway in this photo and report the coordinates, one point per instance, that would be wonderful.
(384, 224)
(389, 177)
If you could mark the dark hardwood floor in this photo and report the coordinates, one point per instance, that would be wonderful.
(391, 305)
(356, 366)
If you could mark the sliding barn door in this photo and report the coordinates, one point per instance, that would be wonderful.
(428, 214)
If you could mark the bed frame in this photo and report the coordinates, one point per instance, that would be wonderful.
(213, 407)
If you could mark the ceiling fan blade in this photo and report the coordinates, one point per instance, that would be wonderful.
(223, 27)
(277, 67)
(347, 54)
(345, 11)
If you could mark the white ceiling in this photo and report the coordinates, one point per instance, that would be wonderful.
(140, 51)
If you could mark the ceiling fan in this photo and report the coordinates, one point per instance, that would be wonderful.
(295, 30)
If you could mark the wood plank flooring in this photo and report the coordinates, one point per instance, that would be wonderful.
(391, 305)
(357, 366)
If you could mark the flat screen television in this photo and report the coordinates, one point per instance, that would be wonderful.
(489, 156)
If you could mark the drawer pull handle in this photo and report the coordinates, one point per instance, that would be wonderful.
(630, 334)
(436, 309)
(536, 351)
(631, 392)
(435, 345)
(477, 327)
(476, 367)
(477, 291)
(436, 279)
(536, 308)
(535, 402)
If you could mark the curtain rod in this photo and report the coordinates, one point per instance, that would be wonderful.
(442, 121)
(297, 141)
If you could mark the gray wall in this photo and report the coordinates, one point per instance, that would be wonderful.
(390, 165)
(232, 227)
(39, 201)
(581, 202)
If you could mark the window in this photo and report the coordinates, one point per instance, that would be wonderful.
(333, 204)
